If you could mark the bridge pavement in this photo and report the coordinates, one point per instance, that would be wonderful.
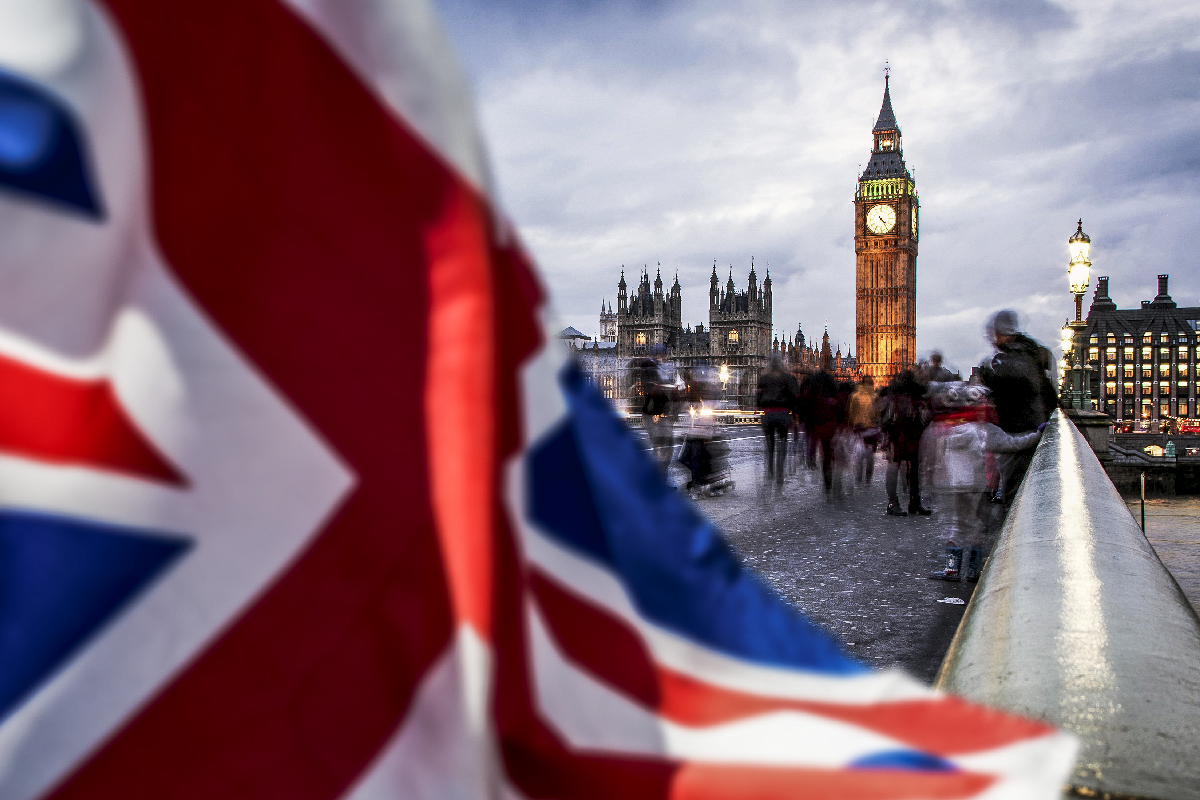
(845, 564)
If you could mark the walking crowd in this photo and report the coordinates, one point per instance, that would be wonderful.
(966, 444)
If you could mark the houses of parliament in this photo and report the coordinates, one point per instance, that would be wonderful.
(649, 320)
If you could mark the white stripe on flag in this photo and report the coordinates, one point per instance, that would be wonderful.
(398, 48)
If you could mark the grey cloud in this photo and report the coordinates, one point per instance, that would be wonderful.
(642, 132)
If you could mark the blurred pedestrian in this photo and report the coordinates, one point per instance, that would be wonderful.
(1022, 392)
(652, 397)
(862, 417)
(938, 373)
(953, 457)
(704, 452)
(777, 396)
(903, 415)
(822, 416)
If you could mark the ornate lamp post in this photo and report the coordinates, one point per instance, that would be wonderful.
(1067, 345)
(1079, 272)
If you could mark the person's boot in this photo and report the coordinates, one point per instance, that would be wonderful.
(974, 563)
(894, 509)
(953, 568)
(915, 507)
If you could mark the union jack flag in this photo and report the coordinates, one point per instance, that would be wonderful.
(247, 248)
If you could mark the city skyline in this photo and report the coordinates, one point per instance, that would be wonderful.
(637, 133)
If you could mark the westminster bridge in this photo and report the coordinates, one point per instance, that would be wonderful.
(1074, 620)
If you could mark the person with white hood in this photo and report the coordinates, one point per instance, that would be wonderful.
(954, 453)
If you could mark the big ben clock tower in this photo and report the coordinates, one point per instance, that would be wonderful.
(885, 247)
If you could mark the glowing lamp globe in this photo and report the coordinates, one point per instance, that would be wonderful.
(1079, 271)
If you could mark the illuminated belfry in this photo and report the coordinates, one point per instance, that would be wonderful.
(885, 247)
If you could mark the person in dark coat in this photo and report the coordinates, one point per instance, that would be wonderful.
(1024, 397)
(903, 417)
(822, 413)
(937, 372)
(777, 396)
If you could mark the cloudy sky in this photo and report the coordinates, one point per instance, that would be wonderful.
(682, 132)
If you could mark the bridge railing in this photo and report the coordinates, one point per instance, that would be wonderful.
(1076, 621)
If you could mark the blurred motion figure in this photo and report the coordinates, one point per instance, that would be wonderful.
(653, 400)
(778, 394)
(704, 452)
(903, 415)
(862, 418)
(954, 451)
(1019, 379)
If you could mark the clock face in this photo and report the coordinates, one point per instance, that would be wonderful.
(914, 228)
(881, 218)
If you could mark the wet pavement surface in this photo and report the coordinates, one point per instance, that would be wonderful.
(842, 562)
(1173, 529)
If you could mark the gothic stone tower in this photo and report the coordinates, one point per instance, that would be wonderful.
(885, 246)
(740, 326)
(648, 318)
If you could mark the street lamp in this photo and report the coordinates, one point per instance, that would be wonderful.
(1067, 344)
(1079, 272)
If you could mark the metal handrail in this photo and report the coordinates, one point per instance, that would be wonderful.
(1136, 455)
(1076, 621)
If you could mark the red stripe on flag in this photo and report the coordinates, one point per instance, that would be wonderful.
(48, 417)
(934, 726)
(610, 649)
(598, 641)
(741, 782)
(459, 397)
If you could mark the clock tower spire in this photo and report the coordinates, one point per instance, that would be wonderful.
(885, 249)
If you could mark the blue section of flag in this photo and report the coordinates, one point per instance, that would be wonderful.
(61, 579)
(594, 490)
(42, 149)
(904, 759)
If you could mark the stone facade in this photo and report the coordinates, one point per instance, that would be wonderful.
(803, 357)
(738, 336)
(1143, 359)
(649, 319)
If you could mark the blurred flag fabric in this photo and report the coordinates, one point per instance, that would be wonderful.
(298, 500)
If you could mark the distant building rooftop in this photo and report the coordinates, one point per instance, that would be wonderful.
(570, 333)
